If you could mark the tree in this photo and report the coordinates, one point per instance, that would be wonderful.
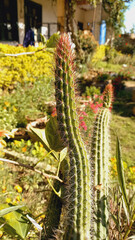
(70, 7)
(116, 10)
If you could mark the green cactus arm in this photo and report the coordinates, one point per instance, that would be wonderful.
(79, 175)
(100, 161)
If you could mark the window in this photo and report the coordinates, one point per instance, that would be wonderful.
(80, 26)
(33, 16)
(8, 20)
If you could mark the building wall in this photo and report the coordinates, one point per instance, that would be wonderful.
(49, 10)
(61, 14)
(91, 19)
(79, 17)
(21, 26)
(49, 15)
(53, 12)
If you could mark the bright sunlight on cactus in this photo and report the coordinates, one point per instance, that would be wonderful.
(78, 222)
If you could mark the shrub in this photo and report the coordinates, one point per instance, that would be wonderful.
(27, 101)
(87, 44)
(118, 83)
(125, 45)
(99, 54)
(23, 68)
(91, 91)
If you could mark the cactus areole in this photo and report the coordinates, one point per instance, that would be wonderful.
(77, 221)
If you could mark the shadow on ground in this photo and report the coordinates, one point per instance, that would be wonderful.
(123, 103)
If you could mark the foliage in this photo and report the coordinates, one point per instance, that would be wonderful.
(87, 44)
(105, 53)
(20, 69)
(111, 53)
(15, 223)
(116, 10)
(122, 44)
(118, 83)
(27, 102)
(124, 214)
(111, 60)
(41, 154)
(99, 54)
(30, 149)
(91, 91)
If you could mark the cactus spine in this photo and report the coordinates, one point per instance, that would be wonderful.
(77, 226)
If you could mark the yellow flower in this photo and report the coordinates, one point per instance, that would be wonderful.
(24, 149)
(132, 169)
(114, 167)
(41, 145)
(8, 200)
(125, 165)
(18, 188)
(113, 159)
(2, 144)
(3, 189)
(42, 216)
(7, 104)
(15, 109)
(17, 198)
(17, 143)
(1, 161)
(1, 233)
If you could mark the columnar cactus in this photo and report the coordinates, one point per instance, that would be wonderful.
(77, 221)
(99, 158)
(88, 176)
(100, 161)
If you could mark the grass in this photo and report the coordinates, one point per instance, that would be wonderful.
(123, 124)
(123, 127)
(105, 66)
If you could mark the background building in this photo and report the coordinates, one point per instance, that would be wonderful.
(47, 17)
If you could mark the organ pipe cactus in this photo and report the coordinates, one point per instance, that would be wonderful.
(84, 172)
(100, 161)
(77, 221)
(99, 158)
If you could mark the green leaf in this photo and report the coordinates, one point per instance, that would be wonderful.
(16, 222)
(53, 136)
(9, 209)
(43, 39)
(121, 179)
(63, 154)
(52, 41)
(41, 136)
